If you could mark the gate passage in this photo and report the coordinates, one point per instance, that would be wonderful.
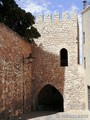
(50, 99)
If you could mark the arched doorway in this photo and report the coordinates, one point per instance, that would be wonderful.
(50, 99)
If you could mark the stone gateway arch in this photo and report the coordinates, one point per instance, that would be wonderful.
(50, 99)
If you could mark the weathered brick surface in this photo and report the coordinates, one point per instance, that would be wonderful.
(69, 81)
(15, 76)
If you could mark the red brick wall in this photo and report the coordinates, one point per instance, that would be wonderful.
(46, 71)
(15, 76)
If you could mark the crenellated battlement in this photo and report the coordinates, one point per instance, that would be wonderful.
(57, 17)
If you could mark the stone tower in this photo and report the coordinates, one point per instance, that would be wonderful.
(56, 63)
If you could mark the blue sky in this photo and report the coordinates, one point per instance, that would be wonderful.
(50, 6)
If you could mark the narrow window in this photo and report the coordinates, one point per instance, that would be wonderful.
(83, 37)
(84, 62)
(89, 97)
(64, 57)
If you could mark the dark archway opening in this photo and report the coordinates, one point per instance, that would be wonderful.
(50, 99)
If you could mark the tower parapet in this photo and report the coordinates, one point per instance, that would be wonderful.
(40, 18)
(65, 16)
(48, 18)
(74, 15)
(56, 17)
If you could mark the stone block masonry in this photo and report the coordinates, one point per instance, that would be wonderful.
(57, 34)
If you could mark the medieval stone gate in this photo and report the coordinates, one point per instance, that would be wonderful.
(49, 99)
(55, 67)
(57, 59)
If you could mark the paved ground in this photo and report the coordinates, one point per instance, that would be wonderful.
(34, 115)
(45, 115)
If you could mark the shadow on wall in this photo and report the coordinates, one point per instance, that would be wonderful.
(48, 76)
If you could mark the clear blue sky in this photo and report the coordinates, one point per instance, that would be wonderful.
(45, 6)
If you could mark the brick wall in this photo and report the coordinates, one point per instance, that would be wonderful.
(15, 74)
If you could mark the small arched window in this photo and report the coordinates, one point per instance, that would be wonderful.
(64, 57)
